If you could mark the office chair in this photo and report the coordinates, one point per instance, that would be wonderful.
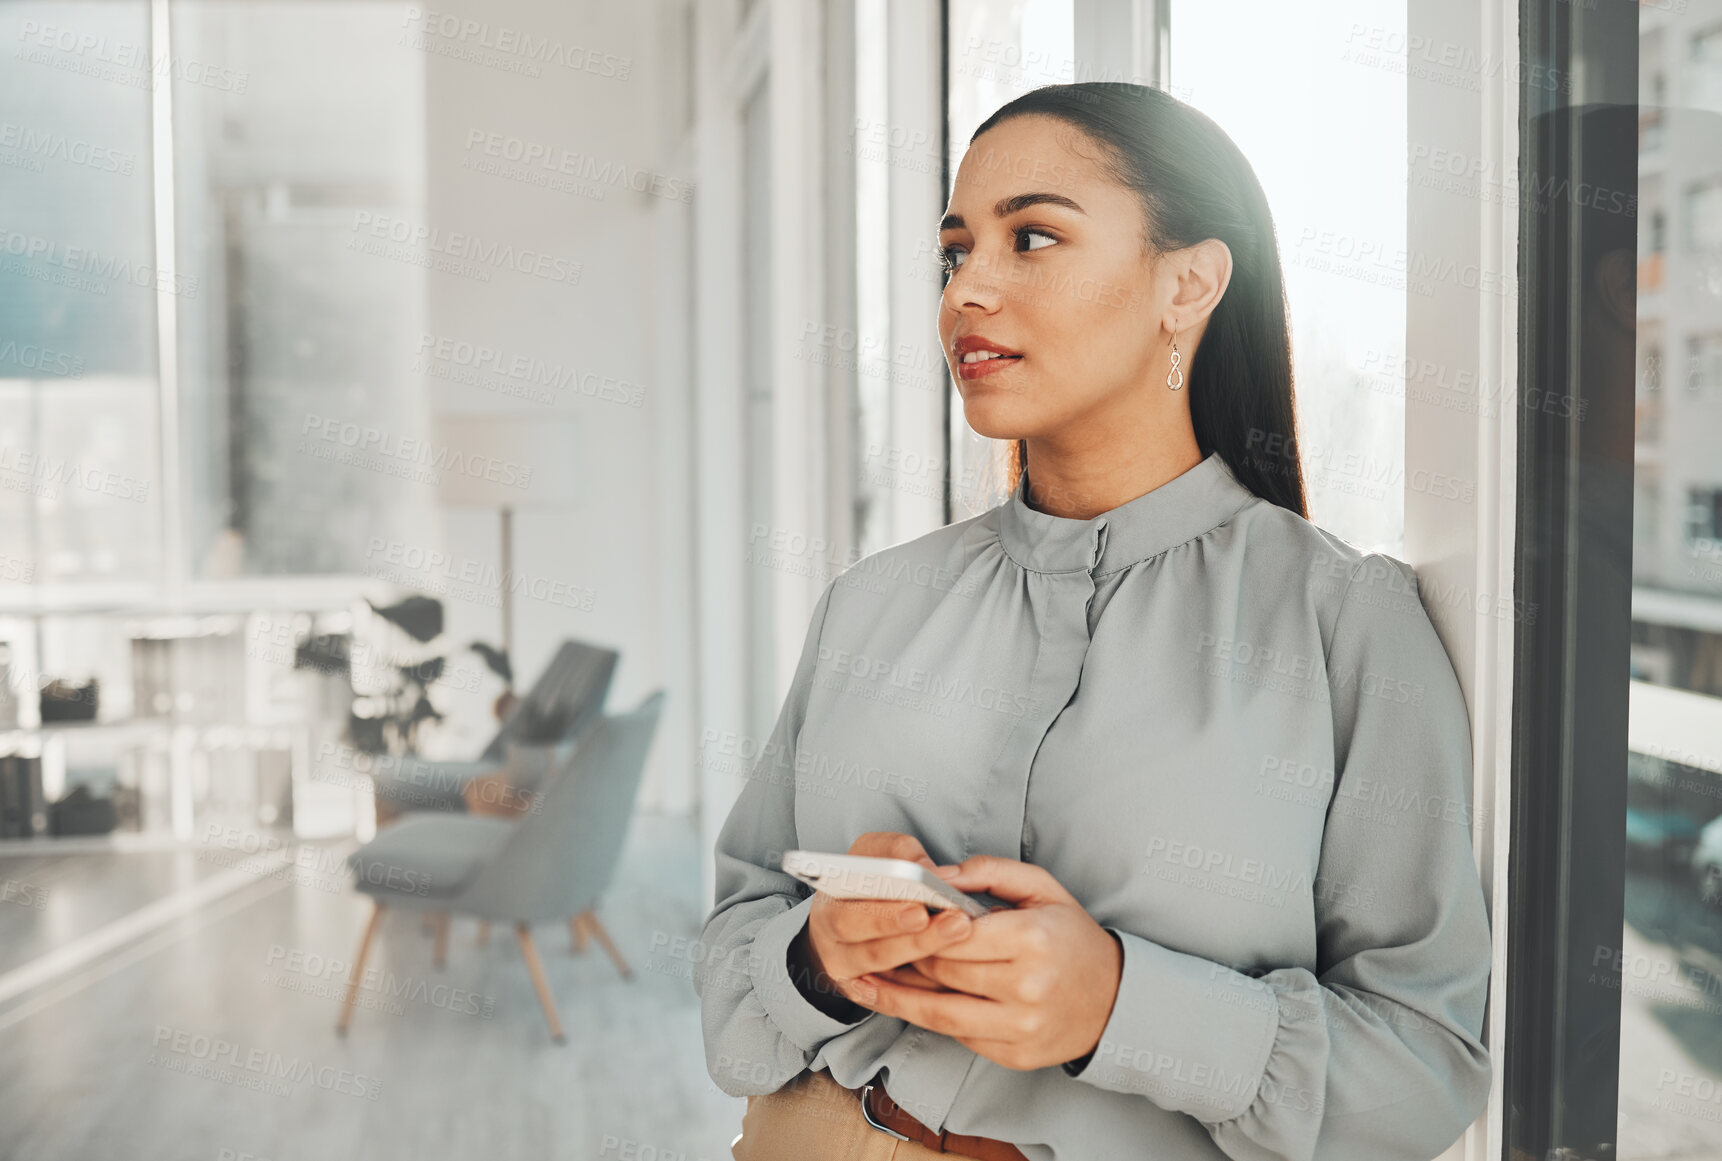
(555, 862)
(564, 700)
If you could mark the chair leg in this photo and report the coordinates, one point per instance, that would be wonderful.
(577, 925)
(603, 937)
(439, 954)
(483, 933)
(359, 969)
(530, 951)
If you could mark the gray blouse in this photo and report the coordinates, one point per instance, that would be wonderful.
(1232, 736)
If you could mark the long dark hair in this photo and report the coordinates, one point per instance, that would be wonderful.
(1195, 184)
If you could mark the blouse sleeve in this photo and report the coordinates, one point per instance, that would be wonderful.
(760, 1031)
(1378, 1053)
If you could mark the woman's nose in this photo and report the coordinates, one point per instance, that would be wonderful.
(972, 284)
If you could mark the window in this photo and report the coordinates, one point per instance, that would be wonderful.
(1646, 524)
(1667, 977)
(1653, 241)
(1653, 86)
(81, 487)
(1341, 224)
(1704, 216)
(299, 189)
(1704, 517)
(764, 697)
(872, 505)
(1704, 78)
(997, 51)
(292, 128)
(1704, 365)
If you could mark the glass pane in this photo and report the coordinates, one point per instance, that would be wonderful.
(1334, 75)
(1671, 955)
(18, 513)
(99, 503)
(77, 257)
(299, 156)
(998, 51)
(1575, 199)
(79, 493)
(872, 280)
(756, 377)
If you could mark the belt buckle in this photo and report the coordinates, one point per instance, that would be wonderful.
(867, 1114)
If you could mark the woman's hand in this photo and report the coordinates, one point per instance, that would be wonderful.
(847, 938)
(1029, 988)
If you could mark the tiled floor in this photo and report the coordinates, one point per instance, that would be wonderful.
(213, 1035)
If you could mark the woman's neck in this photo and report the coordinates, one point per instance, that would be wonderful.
(1081, 483)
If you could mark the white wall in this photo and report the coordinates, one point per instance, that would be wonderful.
(608, 323)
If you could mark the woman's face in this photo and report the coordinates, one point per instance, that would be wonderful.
(1051, 263)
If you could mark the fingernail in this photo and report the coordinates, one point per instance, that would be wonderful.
(946, 872)
(953, 921)
(913, 920)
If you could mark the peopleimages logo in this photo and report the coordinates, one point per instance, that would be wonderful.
(44, 144)
(372, 441)
(24, 464)
(460, 354)
(296, 969)
(120, 61)
(214, 1051)
(532, 156)
(464, 249)
(41, 359)
(83, 260)
(532, 51)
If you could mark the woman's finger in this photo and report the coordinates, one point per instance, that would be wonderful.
(853, 959)
(953, 1013)
(997, 936)
(1012, 880)
(854, 920)
(910, 975)
(993, 980)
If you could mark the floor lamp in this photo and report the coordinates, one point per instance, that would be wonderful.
(506, 463)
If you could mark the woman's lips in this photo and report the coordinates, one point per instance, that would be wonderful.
(984, 367)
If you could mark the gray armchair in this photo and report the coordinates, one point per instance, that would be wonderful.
(553, 863)
(564, 700)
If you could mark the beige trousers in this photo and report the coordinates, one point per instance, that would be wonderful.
(813, 1118)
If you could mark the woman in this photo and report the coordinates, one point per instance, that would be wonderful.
(1215, 757)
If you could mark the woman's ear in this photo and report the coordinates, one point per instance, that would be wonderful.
(1203, 272)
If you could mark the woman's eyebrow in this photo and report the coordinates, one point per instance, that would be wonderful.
(1007, 206)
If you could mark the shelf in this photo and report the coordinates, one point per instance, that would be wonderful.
(81, 727)
(241, 595)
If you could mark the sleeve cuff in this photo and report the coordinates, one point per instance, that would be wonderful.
(795, 1016)
(1075, 1067)
(1190, 1034)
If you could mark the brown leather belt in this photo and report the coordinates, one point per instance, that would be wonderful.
(886, 1114)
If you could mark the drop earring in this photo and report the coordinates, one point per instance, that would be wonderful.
(1175, 376)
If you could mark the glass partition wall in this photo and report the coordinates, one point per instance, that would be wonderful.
(1616, 958)
(1669, 968)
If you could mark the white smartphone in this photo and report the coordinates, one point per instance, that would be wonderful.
(896, 880)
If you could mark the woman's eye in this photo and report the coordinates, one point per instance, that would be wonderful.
(951, 257)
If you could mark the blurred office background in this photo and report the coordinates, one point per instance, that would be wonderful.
(392, 396)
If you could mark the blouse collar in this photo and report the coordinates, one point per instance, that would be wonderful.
(1178, 511)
